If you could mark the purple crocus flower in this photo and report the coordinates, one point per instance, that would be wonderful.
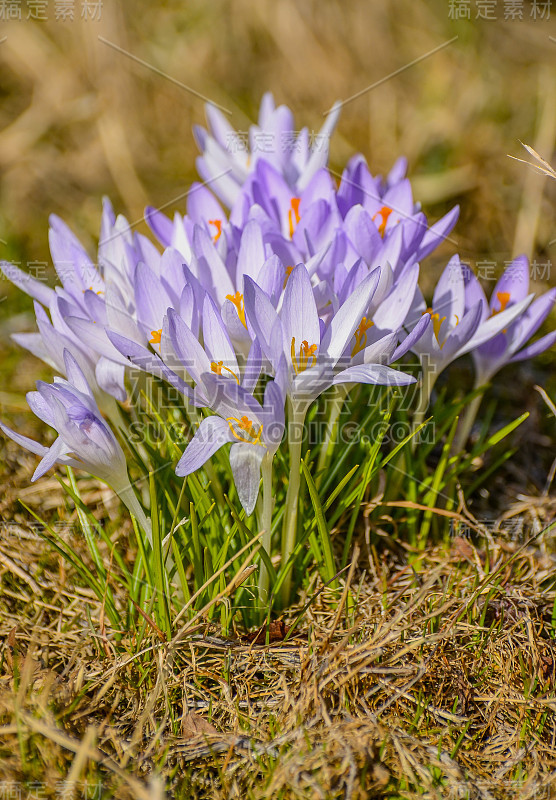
(304, 353)
(184, 359)
(227, 159)
(456, 328)
(253, 431)
(510, 344)
(204, 210)
(89, 298)
(364, 199)
(84, 439)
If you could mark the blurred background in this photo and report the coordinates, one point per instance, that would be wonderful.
(91, 104)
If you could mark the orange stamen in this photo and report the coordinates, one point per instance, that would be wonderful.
(306, 352)
(218, 366)
(244, 428)
(156, 337)
(293, 213)
(218, 225)
(361, 335)
(503, 299)
(237, 300)
(437, 321)
(383, 212)
(288, 273)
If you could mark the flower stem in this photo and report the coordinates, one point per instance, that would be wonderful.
(329, 441)
(465, 424)
(289, 530)
(128, 497)
(266, 525)
(428, 379)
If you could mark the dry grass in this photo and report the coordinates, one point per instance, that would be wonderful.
(435, 676)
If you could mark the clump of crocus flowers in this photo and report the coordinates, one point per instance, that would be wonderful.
(274, 287)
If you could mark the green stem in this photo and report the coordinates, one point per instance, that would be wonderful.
(129, 498)
(329, 441)
(266, 525)
(289, 530)
(428, 379)
(465, 424)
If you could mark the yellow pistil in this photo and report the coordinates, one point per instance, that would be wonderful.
(293, 214)
(503, 299)
(218, 366)
(156, 337)
(237, 300)
(437, 321)
(218, 225)
(288, 273)
(383, 212)
(244, 430)
(361, 335)
(306, 352)
(90, 289)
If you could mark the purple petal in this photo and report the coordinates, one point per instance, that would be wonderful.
(271, 278)
(436, 233)
(494, 325)
(75, 375)
(392, 312)
(264, 319)
(52, 457)
(160, 225)
(151, 298)
(529, 323)
(378, 352)
(449, 296)
(212, 434)
(251, 255)
(536, 348)
(363, 233)
(348, 318)
(457, 341)
(24, 441)
(474, 293)
(110, 378)
(147, 361)
(299, 316)
(424, 325)
(245, 461)
(514, 282)
(376, 374)
(252, 371)
(215, 337)
(31, 286)
(202, 205)
(398, 171)
(187, 347)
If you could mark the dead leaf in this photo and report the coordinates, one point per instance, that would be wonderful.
(11, 648)
(193, 725)
(462, 550)
(277, 632)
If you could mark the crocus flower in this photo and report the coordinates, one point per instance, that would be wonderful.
(227, 159)
(305, 355)
(396, 219)
(93, 295)
(252, 430)
(509, 345)
(84, 439)
(456, 329)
